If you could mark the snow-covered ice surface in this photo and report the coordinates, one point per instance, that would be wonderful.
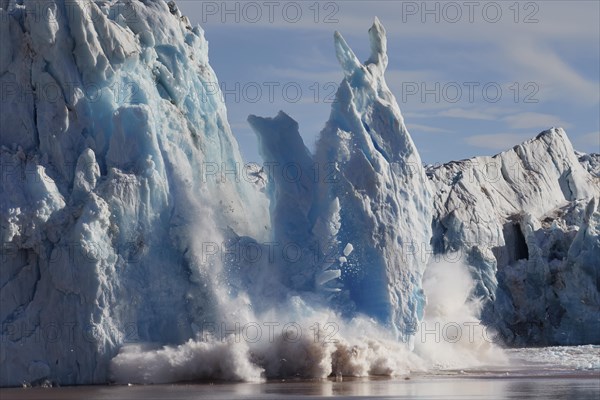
(527, 220)
(125, 207)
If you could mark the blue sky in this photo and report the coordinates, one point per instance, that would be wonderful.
(471, 77)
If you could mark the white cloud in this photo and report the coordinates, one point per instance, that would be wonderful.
(532, 120)
(297, 74)
(496, 141)
(416, 128)
(472, 113)
(467, 114)
(588, 142)
(555, 77)
(397, 78)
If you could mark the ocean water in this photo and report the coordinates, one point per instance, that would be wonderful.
(582, 387)
(541, 373)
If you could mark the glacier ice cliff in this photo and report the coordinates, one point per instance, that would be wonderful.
(527, 221)
(125, 206)
(364, 187)
(113, 142)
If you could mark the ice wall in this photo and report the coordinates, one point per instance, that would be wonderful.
(114, 146)
(363, 196)
(526, 219)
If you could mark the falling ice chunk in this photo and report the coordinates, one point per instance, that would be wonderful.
(348, 249)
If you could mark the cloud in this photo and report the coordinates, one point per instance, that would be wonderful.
(496, 141)
(589, 141)
(467, 114)
(397, 78)
(472, 113)
(532, 120)
(555, 77)
(296, 74)
(426, 128)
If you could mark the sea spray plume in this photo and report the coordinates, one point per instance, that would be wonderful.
(193, 360)
(451, 335)
(353, 348)
(357, 347)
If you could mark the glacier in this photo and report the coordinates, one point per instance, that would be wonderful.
(371, 193)
(125, 207)
(113, 148)
(526, 220)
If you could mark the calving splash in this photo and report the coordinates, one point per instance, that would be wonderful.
(356, 314)
(120, 259)
(299, 341)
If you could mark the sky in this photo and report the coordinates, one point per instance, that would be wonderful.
(471, 77)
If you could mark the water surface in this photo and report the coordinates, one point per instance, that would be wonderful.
(567, 386)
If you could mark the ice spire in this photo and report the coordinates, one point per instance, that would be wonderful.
(375, 158)
(377, 36)
(374, 196)
(345, 55)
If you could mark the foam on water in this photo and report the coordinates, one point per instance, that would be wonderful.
(578, 358)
